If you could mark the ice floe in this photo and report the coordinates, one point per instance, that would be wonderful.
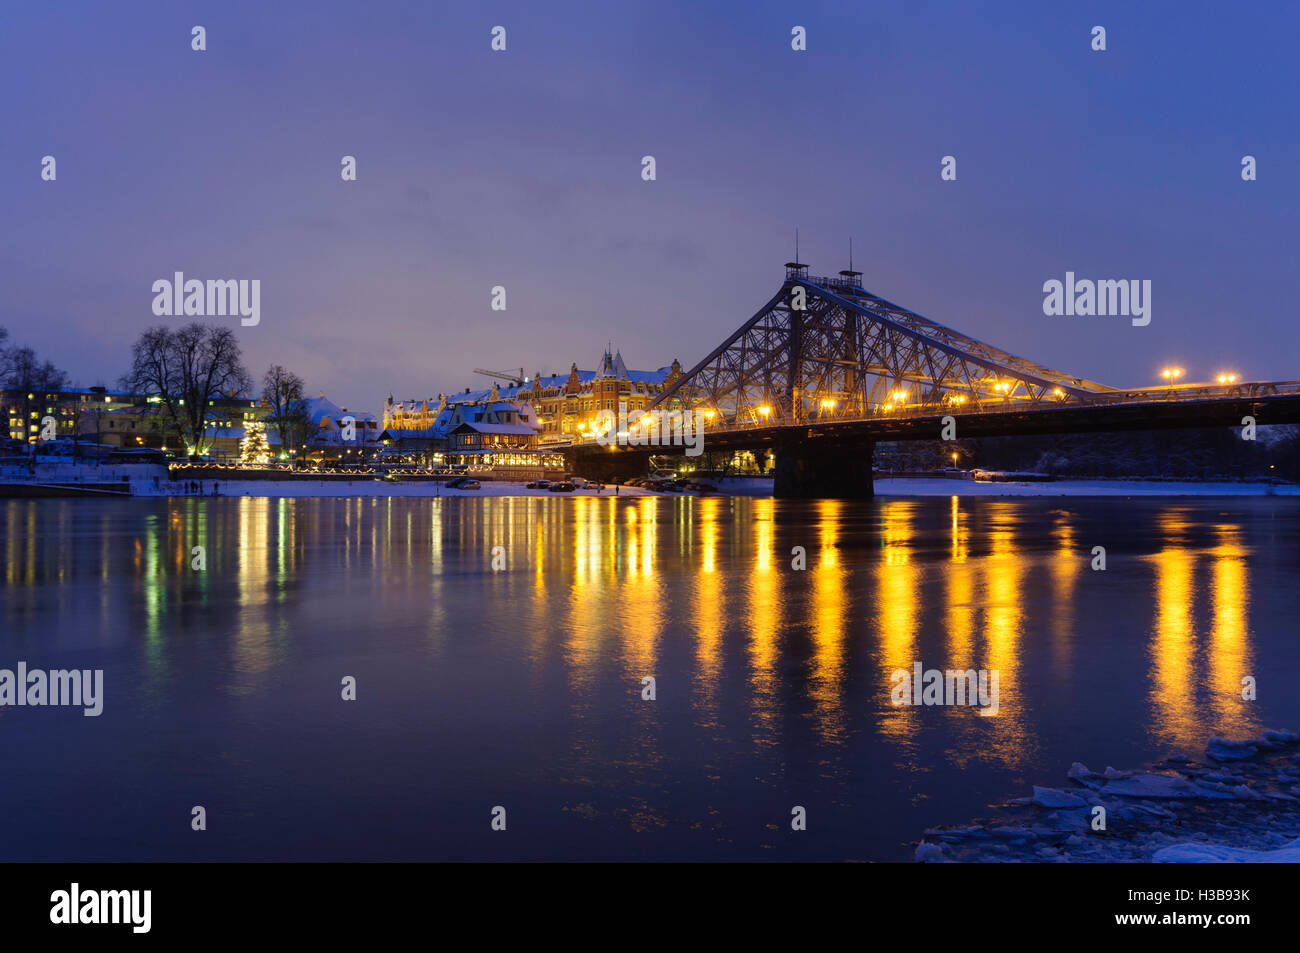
(1238, 805)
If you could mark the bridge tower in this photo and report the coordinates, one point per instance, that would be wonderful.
(825, 357)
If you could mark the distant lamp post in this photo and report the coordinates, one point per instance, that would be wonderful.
(1227, 378)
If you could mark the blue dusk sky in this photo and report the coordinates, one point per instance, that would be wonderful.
(523, 169)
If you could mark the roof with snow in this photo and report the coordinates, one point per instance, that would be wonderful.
(614, 368)
(319, 408)
(522, 430)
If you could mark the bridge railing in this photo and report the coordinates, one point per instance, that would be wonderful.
(1156, 395)
(751, 419)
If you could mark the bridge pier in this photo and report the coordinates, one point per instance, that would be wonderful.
(806, 470)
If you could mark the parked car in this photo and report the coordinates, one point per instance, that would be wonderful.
(594, 486)
(457, 483)
(539, 485)
(702, 487)
(469, 485)
(562, 487)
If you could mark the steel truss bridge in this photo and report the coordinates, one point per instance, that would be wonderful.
(826, 368)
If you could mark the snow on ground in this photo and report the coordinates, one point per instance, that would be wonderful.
(739, 487)
(1232, 808)
(1215, 854)
(368, 487)
(141, 476)
(920, 486)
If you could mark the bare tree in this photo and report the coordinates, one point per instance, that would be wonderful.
(282, 390)
(20, 370)
(186, 368)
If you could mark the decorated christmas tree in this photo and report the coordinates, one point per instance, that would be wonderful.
(254, 451)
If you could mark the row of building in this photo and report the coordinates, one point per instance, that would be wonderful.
(125, 421)
(522, 424)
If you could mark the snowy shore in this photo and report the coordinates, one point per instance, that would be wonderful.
(915, 486)
(369, 487)
(740, 487)
(1241, 804)
(142, 481)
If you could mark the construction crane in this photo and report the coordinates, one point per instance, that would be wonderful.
(516, 379)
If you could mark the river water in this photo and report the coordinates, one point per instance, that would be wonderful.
(499, 647)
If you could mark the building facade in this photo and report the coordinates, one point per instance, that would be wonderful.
(25, 412)
(564, 405)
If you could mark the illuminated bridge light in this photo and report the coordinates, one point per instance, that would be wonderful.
(947, 369)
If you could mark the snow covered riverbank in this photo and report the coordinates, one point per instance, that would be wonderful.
(142, 477)
(913, 486)
(1241, 804)
(367, 487)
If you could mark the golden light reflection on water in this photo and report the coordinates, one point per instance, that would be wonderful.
(961, 592)
(764, 623)
(1173, 698)
(1229, 651)
(1004, 569)
(830, 624)
(1184, 662)
(253, 652)
(583, 628)
(640, 596)
(1066, 564)
(897, 590)
(710, 605)
(608, 585)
